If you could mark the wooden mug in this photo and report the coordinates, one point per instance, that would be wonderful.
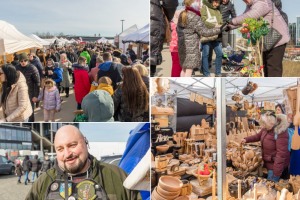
(186, 188)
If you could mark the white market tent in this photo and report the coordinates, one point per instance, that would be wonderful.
(102, 40)
(12, 40)
(37, 38)
(52, 40)
(111, 41)
(269, 89)
(139, 36)
(184, 86)
(125, 33)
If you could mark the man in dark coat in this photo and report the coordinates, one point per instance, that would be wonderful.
(50, 55)
(37, 63)
(47, 164)
(227, 9)
(32, 79)
(36, 165)
(26, 168)
(56, 54)
(157, 32)
(110, 69)
(93, 61)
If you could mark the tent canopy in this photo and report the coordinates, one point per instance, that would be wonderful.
(139, 36)
(12, 40)
(203, 86)
(58, 41)
(102, 40)
(124, 33)
(269, 89)
(37, 38)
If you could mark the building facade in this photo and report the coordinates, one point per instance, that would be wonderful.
(298, 31)
(292, 30)
(29, 136)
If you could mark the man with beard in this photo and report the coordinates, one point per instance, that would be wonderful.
(77, 169)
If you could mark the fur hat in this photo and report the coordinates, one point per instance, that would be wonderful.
(49, 82)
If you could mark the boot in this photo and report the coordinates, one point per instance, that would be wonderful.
(19, 182)
(28, 181)
(62, 89)
(67, 92)
(25, 183)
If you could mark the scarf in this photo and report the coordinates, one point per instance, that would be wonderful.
(188, 8)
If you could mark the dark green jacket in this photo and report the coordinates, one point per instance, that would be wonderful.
(213, 12)
(113, 178)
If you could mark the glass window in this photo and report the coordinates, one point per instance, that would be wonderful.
(4, 160)
(2, 133)
(20, 146)
(13, 134)
(8, 145)
(29, 136)
(2, 145)
(8, 134)
(19, 135)
(24, 136)
(14, 146)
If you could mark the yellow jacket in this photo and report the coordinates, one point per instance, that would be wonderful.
(106, 87)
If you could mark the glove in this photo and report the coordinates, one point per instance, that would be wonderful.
(229, 21)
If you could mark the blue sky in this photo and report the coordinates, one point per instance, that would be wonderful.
(106, 132)
(75, 16)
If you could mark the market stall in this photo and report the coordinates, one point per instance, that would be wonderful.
(11, 41)
(183, 136)
(45, 43)
(125, 33)
(249, 100)
(55, 41)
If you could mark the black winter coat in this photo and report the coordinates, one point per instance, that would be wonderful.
(93, 62)
(37, 63)
(47, 164)
(27, 165)
(227, 10)
(157, 23)
(32, 79)
(114, 73)
(51, 56)
(36, 165)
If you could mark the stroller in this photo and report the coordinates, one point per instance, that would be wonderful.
(233, 60)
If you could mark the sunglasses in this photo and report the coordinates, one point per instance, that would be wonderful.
(48, 82)
(23, 61)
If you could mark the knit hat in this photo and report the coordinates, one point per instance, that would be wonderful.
(117, 53)
(98, 106)
(23, 56)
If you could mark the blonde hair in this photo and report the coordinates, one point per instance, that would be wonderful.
(142, 69)
(64, 55)
(184, 13)
(117, 60)
(105, 80)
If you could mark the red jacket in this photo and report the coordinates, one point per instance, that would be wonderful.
(278, 149)
(82, 84)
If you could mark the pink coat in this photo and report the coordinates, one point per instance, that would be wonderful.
(174, 42)
(263, 8)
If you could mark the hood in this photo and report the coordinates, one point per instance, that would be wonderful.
(105, 66)
(209, 5)
(85, 53)
(78, 66)
(99, 106)
(52, 89)
(35, 60)
(282, 124)
(106, 87)
(277, 4)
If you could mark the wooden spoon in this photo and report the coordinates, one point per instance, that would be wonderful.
(295, 145)
(297, 116)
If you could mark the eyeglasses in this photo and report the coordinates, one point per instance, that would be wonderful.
(23, 61)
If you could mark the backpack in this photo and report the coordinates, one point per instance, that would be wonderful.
(291, 133)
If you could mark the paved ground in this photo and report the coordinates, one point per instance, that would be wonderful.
(9, 188)
(164, 70)
(69, 105)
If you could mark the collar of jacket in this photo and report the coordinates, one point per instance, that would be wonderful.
(282, 124)
(209, 5)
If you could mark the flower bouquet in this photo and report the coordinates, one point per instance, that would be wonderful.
(65, 65)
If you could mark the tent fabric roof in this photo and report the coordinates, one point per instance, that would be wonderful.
(269, 89)
(129, 30)
(139, 36)
(37, 38)
(12, 40)
(184, 86)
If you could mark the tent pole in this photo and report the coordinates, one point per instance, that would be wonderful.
(213, 120)
(221, 138)
(4, 59)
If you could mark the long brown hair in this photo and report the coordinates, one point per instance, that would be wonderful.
(184, 13)
(134, 90)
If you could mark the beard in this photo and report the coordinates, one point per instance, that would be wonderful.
(74, 168)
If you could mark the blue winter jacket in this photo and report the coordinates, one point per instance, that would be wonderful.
(37, 63)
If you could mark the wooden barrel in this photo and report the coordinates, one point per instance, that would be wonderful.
(161, 163)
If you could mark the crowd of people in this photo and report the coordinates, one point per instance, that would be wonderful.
(198, 27)
(105, 80)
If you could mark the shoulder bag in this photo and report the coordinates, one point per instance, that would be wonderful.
(214, 21)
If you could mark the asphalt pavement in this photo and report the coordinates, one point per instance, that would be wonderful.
(164, 70)
(9, 188)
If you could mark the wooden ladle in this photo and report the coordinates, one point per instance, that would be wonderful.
(295, 145)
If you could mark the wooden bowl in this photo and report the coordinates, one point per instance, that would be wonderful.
(170, 184)
(162, 147)
(169, 156)
(183, 198)
(166, 194)
(202, 177)
(156, 196)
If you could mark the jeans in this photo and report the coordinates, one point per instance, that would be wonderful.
(272, 177)
(19, 178)
(205, 53)
(26, 176)
(78, 106)
(37, 175)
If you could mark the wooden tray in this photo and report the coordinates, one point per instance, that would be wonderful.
(204, 189)
(180, 172)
